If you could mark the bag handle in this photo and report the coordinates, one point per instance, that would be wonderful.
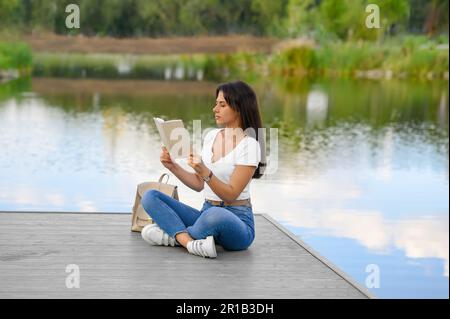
(162, 176)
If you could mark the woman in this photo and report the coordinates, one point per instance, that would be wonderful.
(230, 158)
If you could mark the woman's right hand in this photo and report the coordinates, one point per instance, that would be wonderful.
(166, 160)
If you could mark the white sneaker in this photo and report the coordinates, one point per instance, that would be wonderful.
(203, 247)
(154, 235)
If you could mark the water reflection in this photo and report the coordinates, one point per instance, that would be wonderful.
(362, 176)
(316, 108)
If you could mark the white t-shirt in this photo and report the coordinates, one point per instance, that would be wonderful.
(246, 152)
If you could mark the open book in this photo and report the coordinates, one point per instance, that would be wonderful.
(174, 137)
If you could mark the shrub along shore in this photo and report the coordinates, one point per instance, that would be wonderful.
(415, 57)
(15, 60)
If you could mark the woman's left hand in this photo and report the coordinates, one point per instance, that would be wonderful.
(195, 161)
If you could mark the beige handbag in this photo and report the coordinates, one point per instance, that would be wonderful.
(139, 217)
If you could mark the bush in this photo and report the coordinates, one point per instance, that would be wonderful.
(15, 56)
(296, 60)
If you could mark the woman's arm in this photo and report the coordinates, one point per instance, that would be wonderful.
(191, 180)
(239, 179)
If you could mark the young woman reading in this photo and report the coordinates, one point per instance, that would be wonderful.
(230, 159)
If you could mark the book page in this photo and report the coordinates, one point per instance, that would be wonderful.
(174, 137)
(159, 123)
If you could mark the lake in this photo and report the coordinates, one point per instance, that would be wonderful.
(361, 175)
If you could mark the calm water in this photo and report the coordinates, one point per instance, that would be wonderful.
(362, 174)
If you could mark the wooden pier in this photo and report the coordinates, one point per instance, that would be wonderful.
(37, 247)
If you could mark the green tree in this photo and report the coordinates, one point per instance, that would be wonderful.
(320, 19)
(436, 17)
(394, 14)
(268, 16)
(203, 16)
(8, 12)
(96, 16)
(334, 15)
(301, 18)
(168, 12)
(43, 14)
(152, 23)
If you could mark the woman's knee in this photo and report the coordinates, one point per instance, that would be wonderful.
(238, 241)
(148, 199)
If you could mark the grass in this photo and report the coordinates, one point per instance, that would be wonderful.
(15, 55)
(174, 67)
(413, 57)
(403, 57)
(117, 66)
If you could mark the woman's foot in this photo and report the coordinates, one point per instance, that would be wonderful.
(203, 247)
(154, 235)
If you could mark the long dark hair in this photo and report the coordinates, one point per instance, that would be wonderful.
(241, 98)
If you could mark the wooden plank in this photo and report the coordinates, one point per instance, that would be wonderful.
(321, 258)
(35, 249)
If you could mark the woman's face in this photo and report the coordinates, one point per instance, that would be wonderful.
(224, 114)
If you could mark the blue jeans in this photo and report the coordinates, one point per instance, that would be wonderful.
(232, 226)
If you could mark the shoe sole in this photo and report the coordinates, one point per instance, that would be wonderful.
(210, 241)
(152, 242)
(146, 239)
